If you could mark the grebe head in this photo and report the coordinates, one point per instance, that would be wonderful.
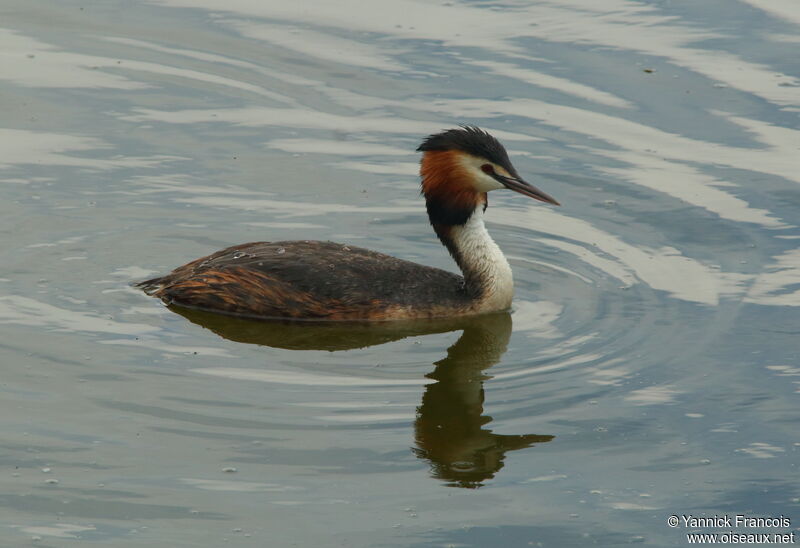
(459, 166)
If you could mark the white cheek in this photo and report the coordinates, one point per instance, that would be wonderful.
(484, 183)
(481, 181)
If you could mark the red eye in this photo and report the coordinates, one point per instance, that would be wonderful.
(488, 169)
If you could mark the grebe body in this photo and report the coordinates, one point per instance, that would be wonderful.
(313, 280)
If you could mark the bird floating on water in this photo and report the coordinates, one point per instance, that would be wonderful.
(314, 280)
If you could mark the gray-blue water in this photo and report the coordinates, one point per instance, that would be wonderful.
(650, 366)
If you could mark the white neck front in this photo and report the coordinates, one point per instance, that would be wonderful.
(482, 263)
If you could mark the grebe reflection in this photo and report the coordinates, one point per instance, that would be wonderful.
(450, 428)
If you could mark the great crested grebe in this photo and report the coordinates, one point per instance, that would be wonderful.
(312, 280)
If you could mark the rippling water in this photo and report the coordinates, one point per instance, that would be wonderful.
(650, 365)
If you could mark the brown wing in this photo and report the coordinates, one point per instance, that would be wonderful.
(309, 280)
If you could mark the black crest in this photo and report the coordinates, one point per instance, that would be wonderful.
(472, 140)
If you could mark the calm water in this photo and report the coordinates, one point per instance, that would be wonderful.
(651, 365)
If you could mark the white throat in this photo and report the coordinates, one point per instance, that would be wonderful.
(483, 263)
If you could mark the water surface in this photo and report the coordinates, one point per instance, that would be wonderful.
(650, 364)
